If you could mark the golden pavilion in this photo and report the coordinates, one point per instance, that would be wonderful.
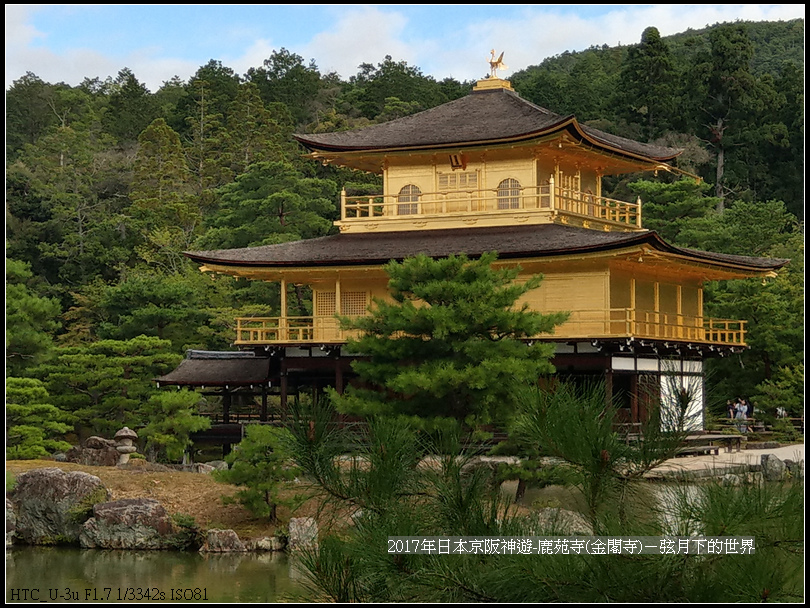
(493, 172)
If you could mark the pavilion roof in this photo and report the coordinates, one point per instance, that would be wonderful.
(481, 118)
(547, 240)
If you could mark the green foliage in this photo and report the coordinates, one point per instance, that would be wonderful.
(260, 463)
(33, 425)
(164, 211)
(393, 84)
(30, 320)
(785, 389)
(83, 510)
(577, 425)
(171, 421)
(774, 311)
(104, 384)
(648, 82)
(169, 306)
(786, 431)
(189, 536)
(671, 208)
(284, 78)
(452, 342)
(391, 491)
(131, 107)
(271, 203)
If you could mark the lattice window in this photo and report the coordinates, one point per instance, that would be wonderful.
(324, 303)
(353, 303)
(509, 194)
(410, 196)
(458, 181)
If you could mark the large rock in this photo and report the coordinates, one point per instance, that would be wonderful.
(266, 543)
(95, 451)
(222, 541)
(796, 469)
(129, 523)
(53, 505)
(773, 469)
(303, 533)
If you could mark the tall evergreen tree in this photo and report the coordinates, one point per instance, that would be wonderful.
(254, 133)
(647, 85)
(285, 78)
(131, 108)
(166, 214)
(729, 89)
(451, 344)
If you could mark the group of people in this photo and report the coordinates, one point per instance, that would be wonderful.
(739, 410)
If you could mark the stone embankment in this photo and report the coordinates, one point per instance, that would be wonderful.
(763, 464)
(49, 506)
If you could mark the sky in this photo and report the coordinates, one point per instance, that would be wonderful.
(70, 42)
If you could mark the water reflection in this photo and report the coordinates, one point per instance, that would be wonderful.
(68, 574)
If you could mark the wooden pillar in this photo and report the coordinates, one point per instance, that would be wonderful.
(608, 387)
(226, 406)
(679, 311)
(632, 328)
(634, 388)
(263, 412)
(283, 303)
(283, 395)
(338, 375)
(338, 333)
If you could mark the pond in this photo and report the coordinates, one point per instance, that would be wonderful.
(62, 574)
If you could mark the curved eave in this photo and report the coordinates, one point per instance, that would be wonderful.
(719, 266)
(568, 123)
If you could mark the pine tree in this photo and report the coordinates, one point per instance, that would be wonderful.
(452, 342)
(33, 424)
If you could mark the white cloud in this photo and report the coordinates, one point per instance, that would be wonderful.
(364, 35)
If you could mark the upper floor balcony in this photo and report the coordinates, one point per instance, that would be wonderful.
(581, 325)
(509, 204)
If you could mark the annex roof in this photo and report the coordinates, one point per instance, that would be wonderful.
(481, 118)
(372, 248)
(218, 368)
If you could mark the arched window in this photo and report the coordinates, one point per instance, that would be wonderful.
(408, 199)
(509, 194)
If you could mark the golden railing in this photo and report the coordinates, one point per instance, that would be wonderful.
(290, 330)
(545, 198)
(581, 324)
(635, 323)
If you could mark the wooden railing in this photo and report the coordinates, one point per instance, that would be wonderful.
(582, 324)
(289, 330)
(544, 199)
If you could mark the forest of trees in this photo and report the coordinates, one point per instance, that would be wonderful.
(108, 183)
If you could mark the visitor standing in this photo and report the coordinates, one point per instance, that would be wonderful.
(741, 415)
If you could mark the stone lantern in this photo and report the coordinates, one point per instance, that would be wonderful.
(124, 444)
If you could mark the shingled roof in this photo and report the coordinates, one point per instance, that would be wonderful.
(482, 117)
(219, 368)
(371, 248)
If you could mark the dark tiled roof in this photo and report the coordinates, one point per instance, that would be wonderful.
(510, 242)
(219, 369)
(478, 118)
